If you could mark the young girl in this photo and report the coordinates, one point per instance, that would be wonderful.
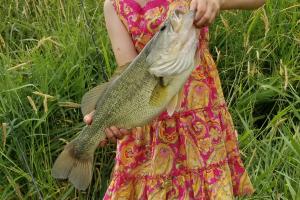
(193, 154)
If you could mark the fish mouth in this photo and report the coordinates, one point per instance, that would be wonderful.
(180, 19)
(183, 24)
(178, 13)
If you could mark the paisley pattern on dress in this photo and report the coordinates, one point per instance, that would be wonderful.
(193, 154)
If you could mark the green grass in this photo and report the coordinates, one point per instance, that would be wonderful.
(46, 48)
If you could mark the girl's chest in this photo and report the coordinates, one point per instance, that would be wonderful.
(150, 14)
(143, 18)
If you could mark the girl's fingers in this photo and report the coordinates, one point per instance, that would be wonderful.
(116, 132)
(124, 132)
(89, 118)
(201, 8)
(110, 135)
(212, 18)
(139, 130)
(215, 11)
(103, 143)
(139, 133)
(207, 18)
(113, 133)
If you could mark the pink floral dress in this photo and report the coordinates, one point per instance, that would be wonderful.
(193, 154)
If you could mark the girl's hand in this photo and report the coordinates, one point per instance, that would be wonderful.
(113, 133)
(206, 11)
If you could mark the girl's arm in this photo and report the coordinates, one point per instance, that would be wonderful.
(241, 4)
(207, 10)
(122, 45)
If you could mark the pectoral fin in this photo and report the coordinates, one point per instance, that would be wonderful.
(158, 95)
(180, 99)
(171, 107)
(175, 103)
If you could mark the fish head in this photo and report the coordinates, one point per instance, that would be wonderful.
(178, 25)
(176, 41)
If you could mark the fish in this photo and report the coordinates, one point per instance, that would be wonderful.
(149, 85)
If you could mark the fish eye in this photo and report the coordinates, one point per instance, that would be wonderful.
(163, 27)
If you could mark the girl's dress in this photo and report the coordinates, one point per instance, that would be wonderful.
(193, 154)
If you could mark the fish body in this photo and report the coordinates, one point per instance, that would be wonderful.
(147, 87)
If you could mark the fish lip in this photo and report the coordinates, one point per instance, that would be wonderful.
(189, 14)
(177, 13)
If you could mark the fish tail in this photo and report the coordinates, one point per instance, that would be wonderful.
(76, 168)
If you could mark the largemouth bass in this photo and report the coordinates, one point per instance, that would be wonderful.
(147, 87)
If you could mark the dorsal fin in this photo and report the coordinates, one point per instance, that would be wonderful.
(90, 99)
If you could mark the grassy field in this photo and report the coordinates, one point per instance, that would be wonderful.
(48, 60)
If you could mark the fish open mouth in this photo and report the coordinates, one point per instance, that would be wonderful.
(177, 14)
(179, 19)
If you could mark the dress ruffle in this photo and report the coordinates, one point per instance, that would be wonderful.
(201, 162)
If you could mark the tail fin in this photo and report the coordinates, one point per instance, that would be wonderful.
(77, 169)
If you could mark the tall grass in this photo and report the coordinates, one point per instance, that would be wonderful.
(48, 60)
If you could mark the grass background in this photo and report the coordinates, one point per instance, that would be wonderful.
(48, 61)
